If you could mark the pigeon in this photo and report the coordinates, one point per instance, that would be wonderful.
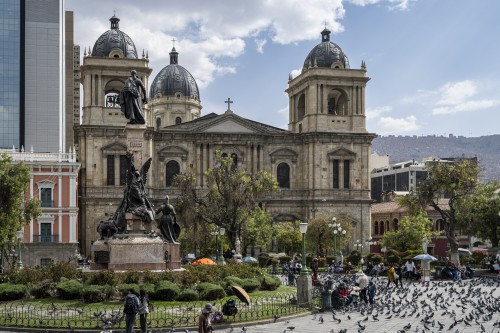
(291, 328)
(321, 320)
(276, 317)
(407, 327)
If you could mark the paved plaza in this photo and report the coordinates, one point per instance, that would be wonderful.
(439, 306)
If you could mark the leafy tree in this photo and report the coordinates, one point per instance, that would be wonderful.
(411, 230)
(288, 237)
(258, 230)
(458, 180)
(485, 208)
(231, 197)
(319, 236)
(15, 208)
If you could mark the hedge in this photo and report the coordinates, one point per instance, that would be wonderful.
(96, 293)
(250, 285)
(10, 292)
(167, 291)
(270, 282)
(69, 289)
(188, 295)
(210, 291)
(123, 288)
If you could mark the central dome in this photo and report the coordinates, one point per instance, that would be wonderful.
(173, 80)
(114, 43)
(326, 54)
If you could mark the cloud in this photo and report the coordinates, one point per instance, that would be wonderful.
(398, 125)
(375, 112)
(393, 5)
(466, 106)
(260, 44)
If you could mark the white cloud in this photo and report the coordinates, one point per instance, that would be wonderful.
(375, 112)
(466, 106)
(454, 93)
(398, 125)
(260, 44)
(393, 5)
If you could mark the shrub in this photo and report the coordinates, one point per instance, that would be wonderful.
(96, 293)
(123, 288)
(354, 257)
(150, 290)
(264, 260)
(285, 259)
(131, 277)
(322, 262)
(188, 295)
(108, 277)
(43, 289)
(210, 291)
(69, 289)
(61, 270)
(374, 258)
(479, 256)
(250, 284)
(270, 282)
(10, 292)
(154, 277)
(392, 256)
(166, 290)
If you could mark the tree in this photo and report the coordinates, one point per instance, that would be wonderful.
(231, 197)
(288, 237)
(15, 208)
(258, 231)
(411, 231)
(485, 208)
(319, 236)
(458, 180)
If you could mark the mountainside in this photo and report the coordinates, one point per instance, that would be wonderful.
(404, 148)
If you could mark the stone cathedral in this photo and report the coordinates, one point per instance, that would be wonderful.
(320, 162)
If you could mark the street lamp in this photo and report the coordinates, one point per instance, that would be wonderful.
(222, 232)
(19, 236)
(303, 230)
(370, 242)
(359, 245)
(337, 232)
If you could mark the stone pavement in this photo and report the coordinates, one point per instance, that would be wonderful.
(439, 306)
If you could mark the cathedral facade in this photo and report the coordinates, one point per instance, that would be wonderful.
(320, 162)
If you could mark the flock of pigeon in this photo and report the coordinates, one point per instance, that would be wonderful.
(438, 306)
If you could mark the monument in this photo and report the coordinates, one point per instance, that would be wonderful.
(129, 240)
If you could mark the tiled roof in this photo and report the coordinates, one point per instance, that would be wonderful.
(393, 207)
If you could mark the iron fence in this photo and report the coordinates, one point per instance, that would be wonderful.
(93, 316)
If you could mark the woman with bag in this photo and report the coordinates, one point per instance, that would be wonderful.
(143, 310)
(391, 275)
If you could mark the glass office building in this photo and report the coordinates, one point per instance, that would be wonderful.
(32, 75)
(11, 73)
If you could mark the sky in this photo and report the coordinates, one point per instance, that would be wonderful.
(433, 64)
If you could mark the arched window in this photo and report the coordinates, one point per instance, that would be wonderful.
(158, 123)
(381, 228)
(395, 224)
(301, 106)
(283, 175)
(387, 228)
(172, 169)
(376, 228)
(178, 120)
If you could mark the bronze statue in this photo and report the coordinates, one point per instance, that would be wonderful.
(168, 226)
(131, 100)
(135, 199)
(107, 229)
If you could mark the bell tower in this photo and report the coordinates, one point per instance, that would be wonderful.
(328, 96)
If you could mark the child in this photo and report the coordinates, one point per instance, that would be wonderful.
(372, 290)
(354, 292)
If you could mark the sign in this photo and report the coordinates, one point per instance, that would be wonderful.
(191, 256)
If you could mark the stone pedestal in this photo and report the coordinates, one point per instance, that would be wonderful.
(304, 291)
(135, 142)
(426, 270)
(138, 249)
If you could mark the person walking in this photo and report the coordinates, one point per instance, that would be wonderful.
(130, 308)
(205, 320)
(399, 272)
(143, 310)
(363, 285)
(372, 290)
(391, 275)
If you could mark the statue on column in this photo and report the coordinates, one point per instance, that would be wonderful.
(131, 99)
(169, 228)
(135, 199)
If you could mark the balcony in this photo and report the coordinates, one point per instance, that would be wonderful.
(45, 239)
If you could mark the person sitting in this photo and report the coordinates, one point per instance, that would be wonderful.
(314, 279)
(344, 294)
(462, 271)
(469, 271)
(453, 270)
(339, 269)
(417, 273)
(375, 271)
(348, 268)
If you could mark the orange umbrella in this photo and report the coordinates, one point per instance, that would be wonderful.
(204, 261)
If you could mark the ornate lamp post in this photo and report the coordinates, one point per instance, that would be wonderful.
(222, 232)
(359, 245)
(369, 243)
(303, 230)
(338, 231)
(20, 237)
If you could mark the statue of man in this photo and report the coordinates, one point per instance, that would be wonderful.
(168, 226)
(132, 97)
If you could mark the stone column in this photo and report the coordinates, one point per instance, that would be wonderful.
(135, 142)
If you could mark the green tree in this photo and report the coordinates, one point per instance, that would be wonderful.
(258, 231)
(231, 197)
(15, 208)
(319, 236)
(485, 208)
(458, 180)
(411, 230)
(288, 237)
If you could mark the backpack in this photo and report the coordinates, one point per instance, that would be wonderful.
(131, 305)
(229, 308)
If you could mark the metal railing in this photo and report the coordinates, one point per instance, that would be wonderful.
(45, 239)
(93, 316)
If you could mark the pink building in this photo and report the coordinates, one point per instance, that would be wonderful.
(52, 237)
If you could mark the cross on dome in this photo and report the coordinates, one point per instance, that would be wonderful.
(229, 101)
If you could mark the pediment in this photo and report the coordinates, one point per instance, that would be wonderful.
(114, 148)
(341, 154)
(173, 152)
(228, 126)
(283, 154)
